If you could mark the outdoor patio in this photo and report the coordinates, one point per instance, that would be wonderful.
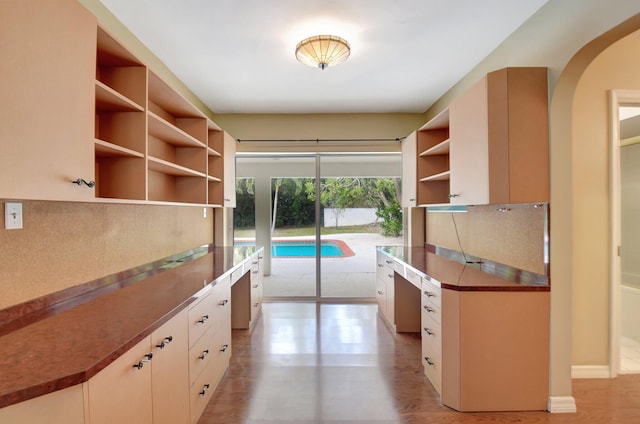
(342, 277)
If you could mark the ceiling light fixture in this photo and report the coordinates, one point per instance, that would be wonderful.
(323, 51)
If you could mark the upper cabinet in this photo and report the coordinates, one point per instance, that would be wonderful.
(48, 52)
(490, 146)
(84, 109)
(408, 198)
(221, 168)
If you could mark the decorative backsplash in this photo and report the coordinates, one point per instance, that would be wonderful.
(515, 235)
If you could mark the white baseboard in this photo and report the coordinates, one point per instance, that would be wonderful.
(590, 371)
(561, 404)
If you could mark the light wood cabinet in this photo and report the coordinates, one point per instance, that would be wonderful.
(151, 380)
(495, 350)
(132, 401)
(111, 124)
(490, 145)
(47, 88)
(221, 168)
(170, 371)
(257, 287)
(431, 330)
(409, 198)
(61, 407)
(210, 345)
(120, 122)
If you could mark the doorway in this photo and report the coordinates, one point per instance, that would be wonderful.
(625, 281)
(316, 216)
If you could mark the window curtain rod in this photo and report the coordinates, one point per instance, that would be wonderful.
(318, 140)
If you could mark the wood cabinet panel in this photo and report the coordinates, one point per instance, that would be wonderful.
(132, 401)
(47, 85)
(489, 146)
(62, 407)
(170, 371)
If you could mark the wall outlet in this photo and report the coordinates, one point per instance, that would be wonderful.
(13, 215)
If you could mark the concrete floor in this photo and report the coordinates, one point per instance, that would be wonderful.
(344, 277)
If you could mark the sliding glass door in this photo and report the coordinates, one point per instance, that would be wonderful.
(319, 218)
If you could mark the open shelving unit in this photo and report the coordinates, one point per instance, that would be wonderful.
(215, 165)
(120, 126)
(432, 166)
(151, 144)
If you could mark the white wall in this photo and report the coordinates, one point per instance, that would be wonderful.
(349, 216)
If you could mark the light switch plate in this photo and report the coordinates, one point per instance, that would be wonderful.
(13, 215)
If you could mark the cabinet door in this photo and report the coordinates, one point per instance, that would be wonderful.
(469, 151)
(47, 89)
(121, 393)
(229, 172)
(59, 407)
(170, 371)
(409, 193)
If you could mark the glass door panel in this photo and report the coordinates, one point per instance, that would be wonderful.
(360, 209)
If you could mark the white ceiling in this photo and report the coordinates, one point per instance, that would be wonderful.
(238, 56)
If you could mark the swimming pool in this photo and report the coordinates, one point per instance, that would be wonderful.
(307, 248)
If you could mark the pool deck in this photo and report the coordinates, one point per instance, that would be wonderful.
(342, 277)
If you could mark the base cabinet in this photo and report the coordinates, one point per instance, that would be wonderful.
(61, 407)
(151, 380)
(131, 402)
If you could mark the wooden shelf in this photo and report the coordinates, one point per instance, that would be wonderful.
(109, 100)
(151, 144)
(106, 149)
(164, 130)
(170, 168)
(443, 176)
(439, 149)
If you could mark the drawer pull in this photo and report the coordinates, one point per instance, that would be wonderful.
(428, 293)
(82, 181)
(224, 348)
(223, 302)
(429, 332)
(255, 305)
(204, 390)
(203, 319)
(428, 360)
(165, 342)
(140, 363)
(389, 262)
(390, 275)
(204, 354)
(428, 309)
(255, 286)
(380, 292)
(254, 262)
(380, 265)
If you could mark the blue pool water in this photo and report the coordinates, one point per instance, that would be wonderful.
(302, 249)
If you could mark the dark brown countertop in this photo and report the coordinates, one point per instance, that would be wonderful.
(71, 346)
(443, 267)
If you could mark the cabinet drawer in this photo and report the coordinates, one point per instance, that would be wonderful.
(200, 356)
(431, 292)
(201, 391)
(432, 350)
(235, 275)
(221, 301)
(431, 309)
(200, 318)
(412, 277)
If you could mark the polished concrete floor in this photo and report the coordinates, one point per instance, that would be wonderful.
(339, 363)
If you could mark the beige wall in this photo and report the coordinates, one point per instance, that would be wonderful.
(65, 244)
(618, 67)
